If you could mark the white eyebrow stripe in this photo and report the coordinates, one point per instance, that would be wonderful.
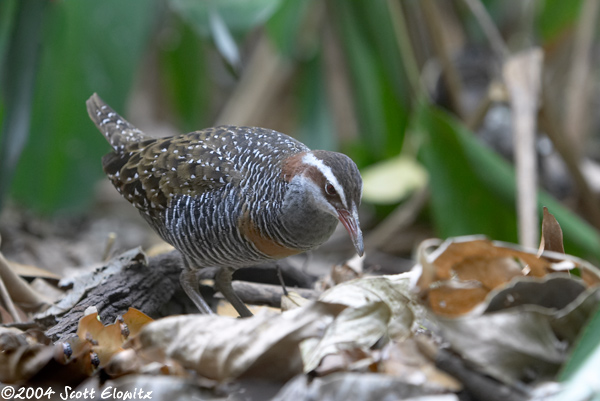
(310, 159)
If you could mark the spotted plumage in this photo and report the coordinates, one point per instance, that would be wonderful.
(231, 196)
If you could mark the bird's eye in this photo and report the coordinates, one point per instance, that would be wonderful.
(329, 189)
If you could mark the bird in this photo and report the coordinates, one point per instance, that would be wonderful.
(230, 197)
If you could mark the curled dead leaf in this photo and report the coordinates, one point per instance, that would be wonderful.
(552, 236)
(21, 357)
(221, 348)
(379, 308)
(405, 360)
(108, 340)
(457, 276)
(510, 313)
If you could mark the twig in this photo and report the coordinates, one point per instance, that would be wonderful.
(23, 325)
(110, 242)
(338, 85)
(563, 146)
(480, 386)
(8, 303)
(252, 98)
(489, 28)
(449, 72)
(576, 101)
(266, 294)
(406, 50)
(18, 289)
(522, 74)
(495, 91)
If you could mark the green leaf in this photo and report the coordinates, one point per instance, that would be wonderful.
(378, 93)
(224, 40)
(392, 180)
(185, 77)
(89, 46)
(557, 15)
(462, 202)
(316, 125)
(238, 15)
(8, 10)
(18, 78)
(473, 189)
(284, 27)
(580, 373)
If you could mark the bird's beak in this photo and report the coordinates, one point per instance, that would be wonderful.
(352, 225)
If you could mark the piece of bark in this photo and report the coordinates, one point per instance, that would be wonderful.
(144, 287)
(154, 289)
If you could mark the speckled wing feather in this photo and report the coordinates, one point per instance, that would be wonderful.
(150, 172)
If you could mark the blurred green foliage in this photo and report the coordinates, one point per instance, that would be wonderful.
(110, 47)
(473, 189)
(86, 47)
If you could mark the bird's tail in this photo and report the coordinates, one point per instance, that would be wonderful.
(118, 131)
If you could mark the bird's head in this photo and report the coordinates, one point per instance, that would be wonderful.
(335, 184)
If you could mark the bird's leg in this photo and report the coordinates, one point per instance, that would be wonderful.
(189, 282)
(280, 277)
(223, 284)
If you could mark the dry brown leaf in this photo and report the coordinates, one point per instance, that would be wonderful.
(293, 300)
(490, 272)
(7, 317)
(108, 340)
(355, 328)
(352, 359)
(459, 250)
(224, 308)
(425, 270)
(342, 273)
(135, 320)
(590, 277)
(32, 271)
(221, 348)
(129, 361)
(81, 357)
(552, 236)
(392, 290)
(350, 270)
(404, 360)
(453, 298)
(21, 356)
(512, 345)
(458, 276)
(526, 330)
(555, 291)
(19, 290)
